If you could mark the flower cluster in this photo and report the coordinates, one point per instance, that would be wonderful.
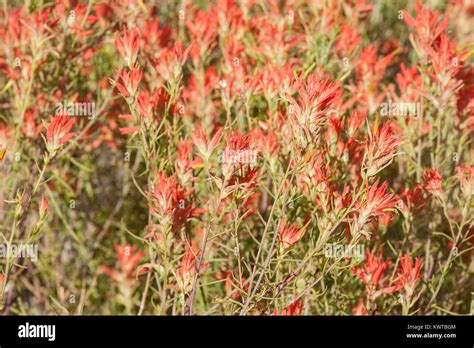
(233, 143)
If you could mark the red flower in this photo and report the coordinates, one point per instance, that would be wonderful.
(127, 46)
(314, 180)
(333, 134)
(187, 270)
(380, 149)
(148, 104)
(377, 203)
(58, 132)
(204, 146)
(266, 141)
(371, 67)
(169, 202)
(355, 121)
(238, 153)
(426, 23)
(128, 258)
(246, 181)
(409, 81)
(202, 28)
(347, 41)
(433, 182)
(369, 71)
(273, 80)
(184, 164)
(372, 275)
(154, 34)
(408, 275)
(130, 81)
(289, 235)
(294, 309)
(446, 62)
(310, 111)
(171, 62)
(413, 201)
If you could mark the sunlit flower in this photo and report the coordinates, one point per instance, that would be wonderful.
(412, 201)
(289, 235)
(170, 202)
(187, 270)
(433, 182)
(127, 45)
(377, 202)
(238, 153)
(129, 82)
(372, 274)
(380, 148)
(310, 111)
(426, 23)
(171, 61)
(205, 146)
(408, 274)
(59, 132)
